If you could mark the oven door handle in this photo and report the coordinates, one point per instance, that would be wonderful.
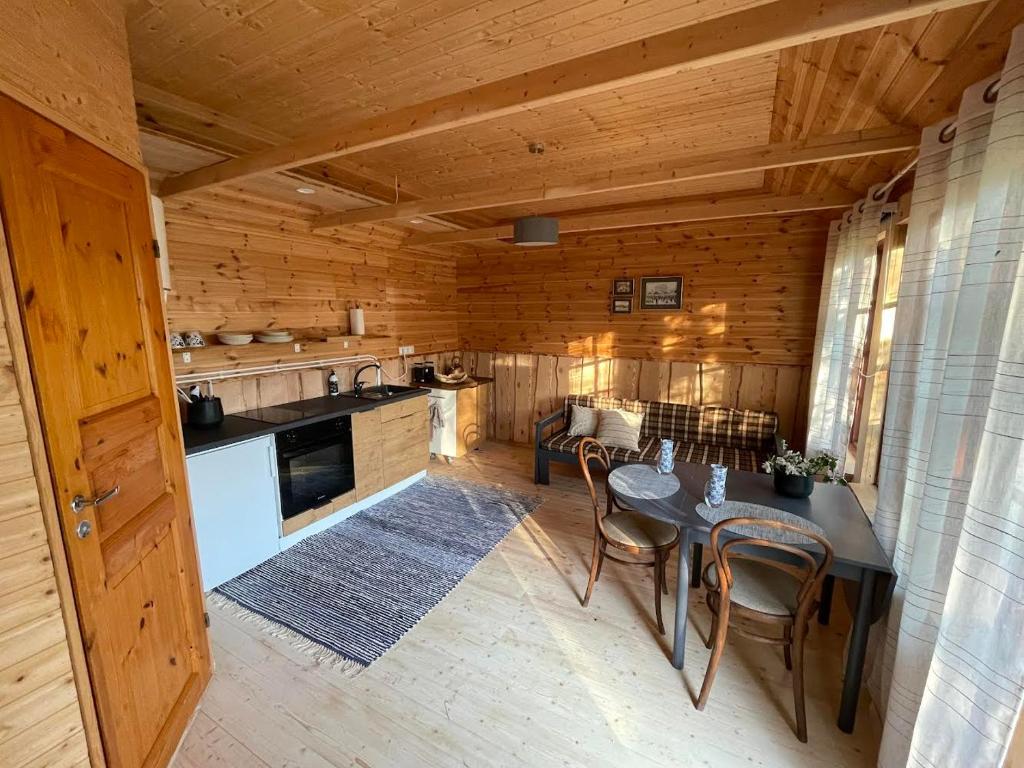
(302, 450)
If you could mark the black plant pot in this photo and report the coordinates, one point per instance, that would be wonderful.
(794, 486)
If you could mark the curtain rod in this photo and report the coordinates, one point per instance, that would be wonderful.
(945, 136)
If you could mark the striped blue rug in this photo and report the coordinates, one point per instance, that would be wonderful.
(349, 593)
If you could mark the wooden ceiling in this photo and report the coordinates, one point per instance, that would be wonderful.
(223, 79)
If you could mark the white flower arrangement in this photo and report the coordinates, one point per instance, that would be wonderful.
(791, 462)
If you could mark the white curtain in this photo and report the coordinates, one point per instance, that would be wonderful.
(843, 316)
(948, 663)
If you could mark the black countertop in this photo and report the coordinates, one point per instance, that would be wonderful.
(266, 421)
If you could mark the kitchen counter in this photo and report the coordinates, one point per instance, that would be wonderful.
(248, 425)
(476, 382)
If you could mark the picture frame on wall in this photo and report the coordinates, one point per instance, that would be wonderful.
(622, 286)
(622, 306)
(661, 293)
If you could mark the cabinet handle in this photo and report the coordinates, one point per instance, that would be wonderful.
(272, 456)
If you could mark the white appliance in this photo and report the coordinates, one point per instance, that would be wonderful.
(442, 440)
(235, 507)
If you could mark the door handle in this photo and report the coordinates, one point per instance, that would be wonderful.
(79, 503)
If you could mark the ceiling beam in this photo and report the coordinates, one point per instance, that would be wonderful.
(818, 149)
(726, 208)
(750, 32)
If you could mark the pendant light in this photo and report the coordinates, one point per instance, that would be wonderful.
(535, 230)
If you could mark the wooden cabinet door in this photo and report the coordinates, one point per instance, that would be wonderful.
(405, 439)
(366, 450)
(81, 247)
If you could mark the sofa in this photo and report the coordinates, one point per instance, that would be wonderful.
(704, 434)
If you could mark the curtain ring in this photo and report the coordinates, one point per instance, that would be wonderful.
(992, 91)
(946, 134)
(849, 218)
(879, 194)
(860, 208)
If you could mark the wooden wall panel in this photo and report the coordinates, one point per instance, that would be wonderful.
(530, 387)
(69, 62)
(747, 300)
(232, 270)
(743, 338)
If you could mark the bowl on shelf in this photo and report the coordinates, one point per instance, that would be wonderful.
(273, 337)
(234, 339)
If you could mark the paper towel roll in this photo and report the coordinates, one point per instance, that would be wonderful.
(356, 323)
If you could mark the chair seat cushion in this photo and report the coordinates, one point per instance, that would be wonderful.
(758, 587)
(637, 530)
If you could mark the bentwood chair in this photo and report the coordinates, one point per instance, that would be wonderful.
(779, 590)
(625, 530)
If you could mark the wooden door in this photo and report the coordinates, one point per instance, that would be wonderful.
(81, 246)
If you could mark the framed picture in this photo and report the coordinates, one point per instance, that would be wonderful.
(622, 306)
(622, 286)
(661, 293)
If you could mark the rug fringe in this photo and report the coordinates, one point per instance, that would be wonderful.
(315, 651)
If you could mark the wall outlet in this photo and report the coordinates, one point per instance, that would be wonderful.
(345, 343)
(410, 350)
(298, 347)
(186, 357)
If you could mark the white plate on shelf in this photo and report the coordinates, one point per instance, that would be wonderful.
(234, 339)
(273, 338)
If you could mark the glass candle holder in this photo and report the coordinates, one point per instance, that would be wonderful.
(666, 462)
(714, 488)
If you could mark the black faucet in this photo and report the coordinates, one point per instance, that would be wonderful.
(357, 385)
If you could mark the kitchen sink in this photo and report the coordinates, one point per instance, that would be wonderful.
(384, 392)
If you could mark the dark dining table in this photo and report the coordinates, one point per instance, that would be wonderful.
(858, 556)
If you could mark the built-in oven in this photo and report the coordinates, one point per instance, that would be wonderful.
(314, 464)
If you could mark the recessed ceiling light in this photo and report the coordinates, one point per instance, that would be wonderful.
(305, 190)
(415, 221)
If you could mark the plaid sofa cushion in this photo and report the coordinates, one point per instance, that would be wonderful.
(694, 453)
(735, 428)
(671, 420)
(648, 453)
(708, 434)
(734, 458)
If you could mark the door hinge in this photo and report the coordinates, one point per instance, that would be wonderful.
(206, 618)
(156, 249)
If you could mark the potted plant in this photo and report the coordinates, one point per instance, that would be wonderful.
(795, 474)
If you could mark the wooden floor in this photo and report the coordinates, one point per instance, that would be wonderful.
(510, 670)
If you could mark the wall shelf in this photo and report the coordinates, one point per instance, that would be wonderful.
(223, 357)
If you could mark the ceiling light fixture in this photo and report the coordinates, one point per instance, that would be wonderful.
(535, 230)
(305, 190)
(415, 221)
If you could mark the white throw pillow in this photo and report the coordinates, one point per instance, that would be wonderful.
(619, 429)
(583, 422)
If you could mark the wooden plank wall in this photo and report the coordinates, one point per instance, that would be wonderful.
(748, 299)
(237, 267)
(69, 62)
(539, 321)
(528, 387)
(260, 391)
